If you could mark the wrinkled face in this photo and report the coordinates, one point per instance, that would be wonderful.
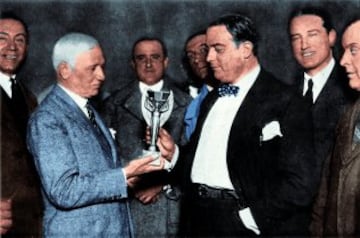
(225, 58)
(88, 74)
(196, 52)
(13, 45)
(311, 43)
(351, 57)
(149, 61)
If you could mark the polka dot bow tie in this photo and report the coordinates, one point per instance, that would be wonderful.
(228, 90)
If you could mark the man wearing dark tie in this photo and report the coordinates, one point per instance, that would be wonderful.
(84, 184)
(243, 172)
(313, 37)
(20, 205)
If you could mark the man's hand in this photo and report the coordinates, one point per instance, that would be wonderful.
(165, 143)
(5, 216)
(149, 195)
(141, 166)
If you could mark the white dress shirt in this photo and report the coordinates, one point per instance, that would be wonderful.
(5, 83)
(212, 147)
(211, 151)
(319, 79)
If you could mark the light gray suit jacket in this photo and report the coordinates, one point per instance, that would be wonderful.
(84, 188)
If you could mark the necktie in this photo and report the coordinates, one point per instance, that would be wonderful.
(19, 104)
(228, 90)
(91, 114)
(309, 92)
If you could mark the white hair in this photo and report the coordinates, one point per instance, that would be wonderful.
(68, 47)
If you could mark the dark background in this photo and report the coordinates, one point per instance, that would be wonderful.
(117, 24)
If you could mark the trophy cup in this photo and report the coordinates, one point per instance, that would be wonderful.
(157, 109)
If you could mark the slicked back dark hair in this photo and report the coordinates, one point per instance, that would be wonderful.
(316, 11)
(241, 27)
(13, 16)
(149, 38)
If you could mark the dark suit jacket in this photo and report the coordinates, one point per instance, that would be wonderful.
(271, 175)
(122, 112)
(18, 175)
(328, 108)
(336, 210)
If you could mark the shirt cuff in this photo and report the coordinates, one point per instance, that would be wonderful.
(248, 220)
(170, 165)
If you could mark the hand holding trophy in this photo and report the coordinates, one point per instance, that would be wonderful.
(156, 111)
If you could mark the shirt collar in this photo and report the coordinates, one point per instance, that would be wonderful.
(5, 83)
(248, 80)
(321, 77)
(80, 101)
(155, 87)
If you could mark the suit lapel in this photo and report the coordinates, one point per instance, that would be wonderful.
(73, 109)
(348, 133)
(132, 104)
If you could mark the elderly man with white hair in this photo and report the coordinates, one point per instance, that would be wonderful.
(84, 184)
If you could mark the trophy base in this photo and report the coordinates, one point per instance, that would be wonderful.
(155, 155)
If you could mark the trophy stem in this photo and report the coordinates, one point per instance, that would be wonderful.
(154, 129)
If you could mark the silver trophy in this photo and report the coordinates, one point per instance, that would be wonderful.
(158, 109)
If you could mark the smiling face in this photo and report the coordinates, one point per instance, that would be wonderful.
(13, 45)
(87, 76)
(311, 43)
(351, 56)
(149, 61)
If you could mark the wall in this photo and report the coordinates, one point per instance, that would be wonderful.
(117, 24)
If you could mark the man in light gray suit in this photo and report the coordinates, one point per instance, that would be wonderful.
(84, 184)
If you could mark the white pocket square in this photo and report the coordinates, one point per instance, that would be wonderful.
(270, 130)
(112, 132)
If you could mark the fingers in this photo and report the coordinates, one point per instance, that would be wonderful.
(5, 216)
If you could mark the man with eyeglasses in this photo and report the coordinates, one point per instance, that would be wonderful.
(199, 76)
(155, 213)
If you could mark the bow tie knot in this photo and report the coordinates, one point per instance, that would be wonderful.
(228, 90)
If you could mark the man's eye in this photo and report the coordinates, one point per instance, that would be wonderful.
(139, 58)
(20, 40)
(353, 50)
(156, 57)
(219, 49)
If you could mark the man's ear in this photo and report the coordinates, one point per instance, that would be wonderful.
(166, 62)
(332, 37)
(64, 70)
(247, 48)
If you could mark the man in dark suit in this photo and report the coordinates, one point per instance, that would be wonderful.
(313, 37)
(20, 205)
(154, 213)
(243, 171)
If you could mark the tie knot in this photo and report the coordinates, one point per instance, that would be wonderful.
(228, 90)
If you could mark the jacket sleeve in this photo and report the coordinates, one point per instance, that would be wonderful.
(68, 181)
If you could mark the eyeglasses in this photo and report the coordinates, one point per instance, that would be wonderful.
(201, 53)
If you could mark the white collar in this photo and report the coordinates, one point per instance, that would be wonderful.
(80, 101)
(319, 79)
(248, 80)
(155, 87)
(5, 83)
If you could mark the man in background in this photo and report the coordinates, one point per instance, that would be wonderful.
(313, 37)
(201, 76)
(20, 205)
(336, 211)
(156, 209)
